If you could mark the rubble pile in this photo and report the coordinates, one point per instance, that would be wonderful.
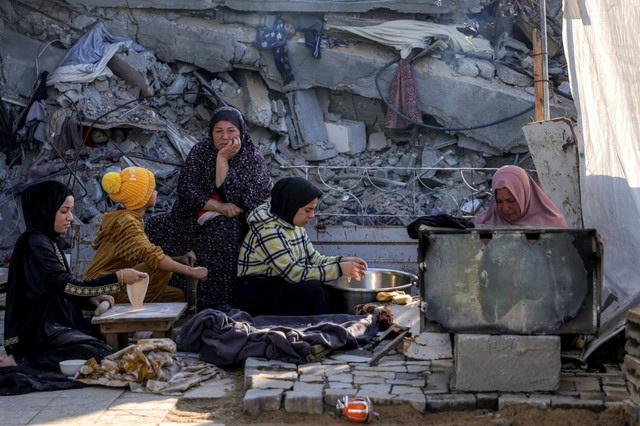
(326, 121)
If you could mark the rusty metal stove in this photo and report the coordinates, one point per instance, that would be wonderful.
(510, 280)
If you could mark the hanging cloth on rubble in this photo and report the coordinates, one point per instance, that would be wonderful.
(403, 95)
(88, 58)
(227, 339)
(63, 129)
(312, 28)
(276, 39)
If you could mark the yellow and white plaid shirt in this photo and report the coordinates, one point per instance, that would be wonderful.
(274, 247)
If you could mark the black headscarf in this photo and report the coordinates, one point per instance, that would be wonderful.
(230, 114)
(291, 193)
(40, 203)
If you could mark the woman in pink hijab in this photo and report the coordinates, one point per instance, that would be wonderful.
(518, 200)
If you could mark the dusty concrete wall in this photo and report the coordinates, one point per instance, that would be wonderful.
(262, 6)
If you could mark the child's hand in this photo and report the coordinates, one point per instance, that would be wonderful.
(199, 273)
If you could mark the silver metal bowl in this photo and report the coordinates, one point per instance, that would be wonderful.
(345, 293)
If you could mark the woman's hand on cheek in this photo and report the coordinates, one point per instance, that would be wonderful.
(231, 149)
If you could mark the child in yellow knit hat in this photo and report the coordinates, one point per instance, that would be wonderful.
(121, 239)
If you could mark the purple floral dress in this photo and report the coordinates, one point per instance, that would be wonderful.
(217, 242)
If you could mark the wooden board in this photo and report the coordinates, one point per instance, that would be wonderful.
(124, 312)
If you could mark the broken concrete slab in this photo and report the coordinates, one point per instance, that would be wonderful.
(428, 346)
(309, 118)
(257, 105)
(347, 136)
(18, 53)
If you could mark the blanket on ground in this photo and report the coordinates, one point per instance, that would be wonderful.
(227, 339)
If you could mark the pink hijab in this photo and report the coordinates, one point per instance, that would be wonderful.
(537, 209)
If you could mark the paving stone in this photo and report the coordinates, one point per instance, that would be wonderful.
(616, 391)
(451, 402)
(29, 407)
(416, 368)
(375, 374)
(257, 400)
(376, 398)
(262, 383)
(301, 386)
(487, 401)
(614, 380)
(587, 384)
(308, 401)
(377, 368)
(410, 376)
(340, 385)
(345, 378)
(566, 385)
(314, 368)
(591, 395)
(442, 363)
(332, 396)
(143, 400)
(507, 362)
(252, 376)
(311, 378)
(360, 358)
(330, 370)
(360, 380)
(377, 388)
(259, 363)
(438, 382)
(399, 390)
(558, 401)
(416, 382)
(416, 400)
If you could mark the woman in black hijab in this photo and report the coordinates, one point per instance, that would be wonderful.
(43, 321)
(280, 273)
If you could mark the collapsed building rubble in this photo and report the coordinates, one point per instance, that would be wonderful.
(152, 98)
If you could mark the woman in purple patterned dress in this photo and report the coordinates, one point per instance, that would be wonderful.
(224, 177)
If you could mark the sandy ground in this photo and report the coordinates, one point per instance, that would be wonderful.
(228, 410)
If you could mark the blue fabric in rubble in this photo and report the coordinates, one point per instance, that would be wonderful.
(88, 50)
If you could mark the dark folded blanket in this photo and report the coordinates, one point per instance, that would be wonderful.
(21, 380)
(226, 339)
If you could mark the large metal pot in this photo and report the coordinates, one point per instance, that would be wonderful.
(345, 293)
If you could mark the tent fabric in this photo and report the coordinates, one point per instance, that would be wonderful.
(405, 35)
(601, 46)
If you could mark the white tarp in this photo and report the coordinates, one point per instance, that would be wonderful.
(406, 35)
(601, 42)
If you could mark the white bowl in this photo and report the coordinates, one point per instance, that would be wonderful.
(71, 366)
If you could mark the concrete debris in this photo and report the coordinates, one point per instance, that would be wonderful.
(152, 98)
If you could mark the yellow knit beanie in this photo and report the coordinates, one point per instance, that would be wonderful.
(132, 187)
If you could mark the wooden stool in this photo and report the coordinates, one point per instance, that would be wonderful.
(121, 319)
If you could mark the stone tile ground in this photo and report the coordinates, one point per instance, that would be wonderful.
(314, 388)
